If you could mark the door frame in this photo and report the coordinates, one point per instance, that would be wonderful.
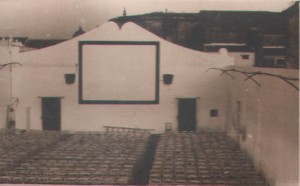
(195, 104)
(43, 124)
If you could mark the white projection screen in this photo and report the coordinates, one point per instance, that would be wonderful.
(112, 72)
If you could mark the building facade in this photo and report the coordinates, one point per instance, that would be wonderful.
(131, 78)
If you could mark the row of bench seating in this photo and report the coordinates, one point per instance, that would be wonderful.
(112, 158)
(81, 158)
(16, 145)
(201, 158)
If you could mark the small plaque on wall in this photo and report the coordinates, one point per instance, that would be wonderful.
(214, 113)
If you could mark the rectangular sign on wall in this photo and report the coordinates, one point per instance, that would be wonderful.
(118, 72)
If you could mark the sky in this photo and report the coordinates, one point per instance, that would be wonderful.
(55, 19)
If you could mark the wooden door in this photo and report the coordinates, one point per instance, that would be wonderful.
(51, 113)
(187, 114)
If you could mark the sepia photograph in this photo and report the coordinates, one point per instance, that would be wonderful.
(149, 92)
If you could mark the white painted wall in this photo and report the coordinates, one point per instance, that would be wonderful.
(270, 117)
(43, 75)
(239, 61)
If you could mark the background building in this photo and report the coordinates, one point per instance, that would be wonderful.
(271, 37)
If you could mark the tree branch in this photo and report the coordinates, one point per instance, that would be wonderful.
(250, 75)
(11, 63)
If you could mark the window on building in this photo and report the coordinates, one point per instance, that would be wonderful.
(245, 56)
(279, 62)
(214, 113)
(274, 61)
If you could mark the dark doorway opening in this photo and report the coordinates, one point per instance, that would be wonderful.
(51, 110)
(187, 114)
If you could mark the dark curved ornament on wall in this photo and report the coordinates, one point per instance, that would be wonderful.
(168, 78)
(70, 78)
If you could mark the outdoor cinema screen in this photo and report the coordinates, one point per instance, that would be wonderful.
(113, 72)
